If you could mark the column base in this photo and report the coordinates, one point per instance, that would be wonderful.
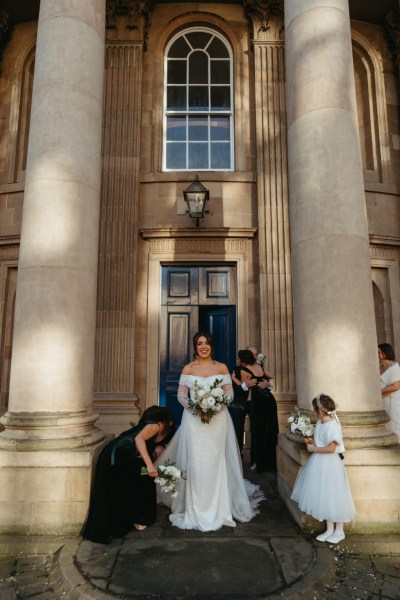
(25, 431)
(45, 492)
(374, 475)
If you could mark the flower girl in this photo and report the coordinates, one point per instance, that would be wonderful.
(322, 489)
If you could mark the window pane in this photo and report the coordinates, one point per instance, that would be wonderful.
(220, 98)
(198, 39)
(177, 71)
(217, 49)
(198, 98)
(176, 156)
(176, 98)
(198, 156)
(198, 129)
(220, 72)
(179, 49)
(176, 129)
(220, 156)
(219, 128)
(198, 67)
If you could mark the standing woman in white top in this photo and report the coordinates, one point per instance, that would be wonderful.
(390, 385)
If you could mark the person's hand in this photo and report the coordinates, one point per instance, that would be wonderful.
(152, 471)
(251, 382)
(308, 440)
(311, 447)
(264, 384)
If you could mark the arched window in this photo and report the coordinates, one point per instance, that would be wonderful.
(198, 102)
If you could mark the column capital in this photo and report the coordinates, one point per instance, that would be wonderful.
(128, 20)
(393, 30)
(266, 19)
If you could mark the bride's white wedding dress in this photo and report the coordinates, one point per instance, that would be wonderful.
(214, 492)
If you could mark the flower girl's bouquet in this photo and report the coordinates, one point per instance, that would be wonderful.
(168, 476)
(301, 424)
(207, 401)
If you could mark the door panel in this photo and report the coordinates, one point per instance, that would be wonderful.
(178, 326)
(221, 323)
(217, 285)
(180, 285)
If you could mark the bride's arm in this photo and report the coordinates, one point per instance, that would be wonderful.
(183, 397)
(228, 390)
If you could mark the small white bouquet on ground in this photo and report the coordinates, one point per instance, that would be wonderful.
(168, 475)
(301, 424)
(207, 400)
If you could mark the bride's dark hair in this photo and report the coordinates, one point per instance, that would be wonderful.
(209, 339)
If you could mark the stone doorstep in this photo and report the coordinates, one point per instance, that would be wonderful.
(65, 578)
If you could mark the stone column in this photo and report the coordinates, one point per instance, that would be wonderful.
(266, 19)
(51, 388)
(335, 336)
(53, 348)
(336, 348)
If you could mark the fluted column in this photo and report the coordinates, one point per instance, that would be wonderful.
(335, 337)
(266, 18)
(126, 28)
(51, 388)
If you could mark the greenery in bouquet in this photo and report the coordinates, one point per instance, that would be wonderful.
(206, 401)
(300, 424)
(168, 475)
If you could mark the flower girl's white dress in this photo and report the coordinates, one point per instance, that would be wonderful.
(214, 492)
(322, 489)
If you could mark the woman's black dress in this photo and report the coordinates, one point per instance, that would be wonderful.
(121, 496)
(264, 426)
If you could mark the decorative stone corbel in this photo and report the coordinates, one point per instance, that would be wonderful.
(128, 20)
(265, 18)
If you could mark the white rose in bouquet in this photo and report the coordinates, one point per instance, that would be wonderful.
(217, 392)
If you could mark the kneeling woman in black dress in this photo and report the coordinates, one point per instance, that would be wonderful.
(122, 497)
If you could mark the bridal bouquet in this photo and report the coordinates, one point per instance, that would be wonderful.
(168, 476)
(301, 425)
(207, 401)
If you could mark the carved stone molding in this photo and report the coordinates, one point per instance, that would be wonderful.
(393, 31)
(9, 252)
(128, 20)
(266, 19)
(198, 247)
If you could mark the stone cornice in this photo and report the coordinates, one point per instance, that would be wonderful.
(266, 19)
(200, 232)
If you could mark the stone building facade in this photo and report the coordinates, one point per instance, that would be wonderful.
(289, 114)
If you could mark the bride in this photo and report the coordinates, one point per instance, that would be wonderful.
(214, 492)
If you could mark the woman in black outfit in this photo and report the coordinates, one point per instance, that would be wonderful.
(263, 414)
(121, 497)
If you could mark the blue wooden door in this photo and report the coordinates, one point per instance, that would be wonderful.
(194, 297)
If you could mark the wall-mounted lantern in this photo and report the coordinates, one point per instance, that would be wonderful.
(196, 196)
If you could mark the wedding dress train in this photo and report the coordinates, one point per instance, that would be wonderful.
(214, 492)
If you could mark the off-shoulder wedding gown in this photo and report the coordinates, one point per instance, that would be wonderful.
(214, 492)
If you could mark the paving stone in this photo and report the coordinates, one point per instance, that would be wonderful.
(390, 590)
(294, 555)
(196, 567)
(7, 566)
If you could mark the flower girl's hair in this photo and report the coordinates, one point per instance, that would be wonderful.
(324, 403)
